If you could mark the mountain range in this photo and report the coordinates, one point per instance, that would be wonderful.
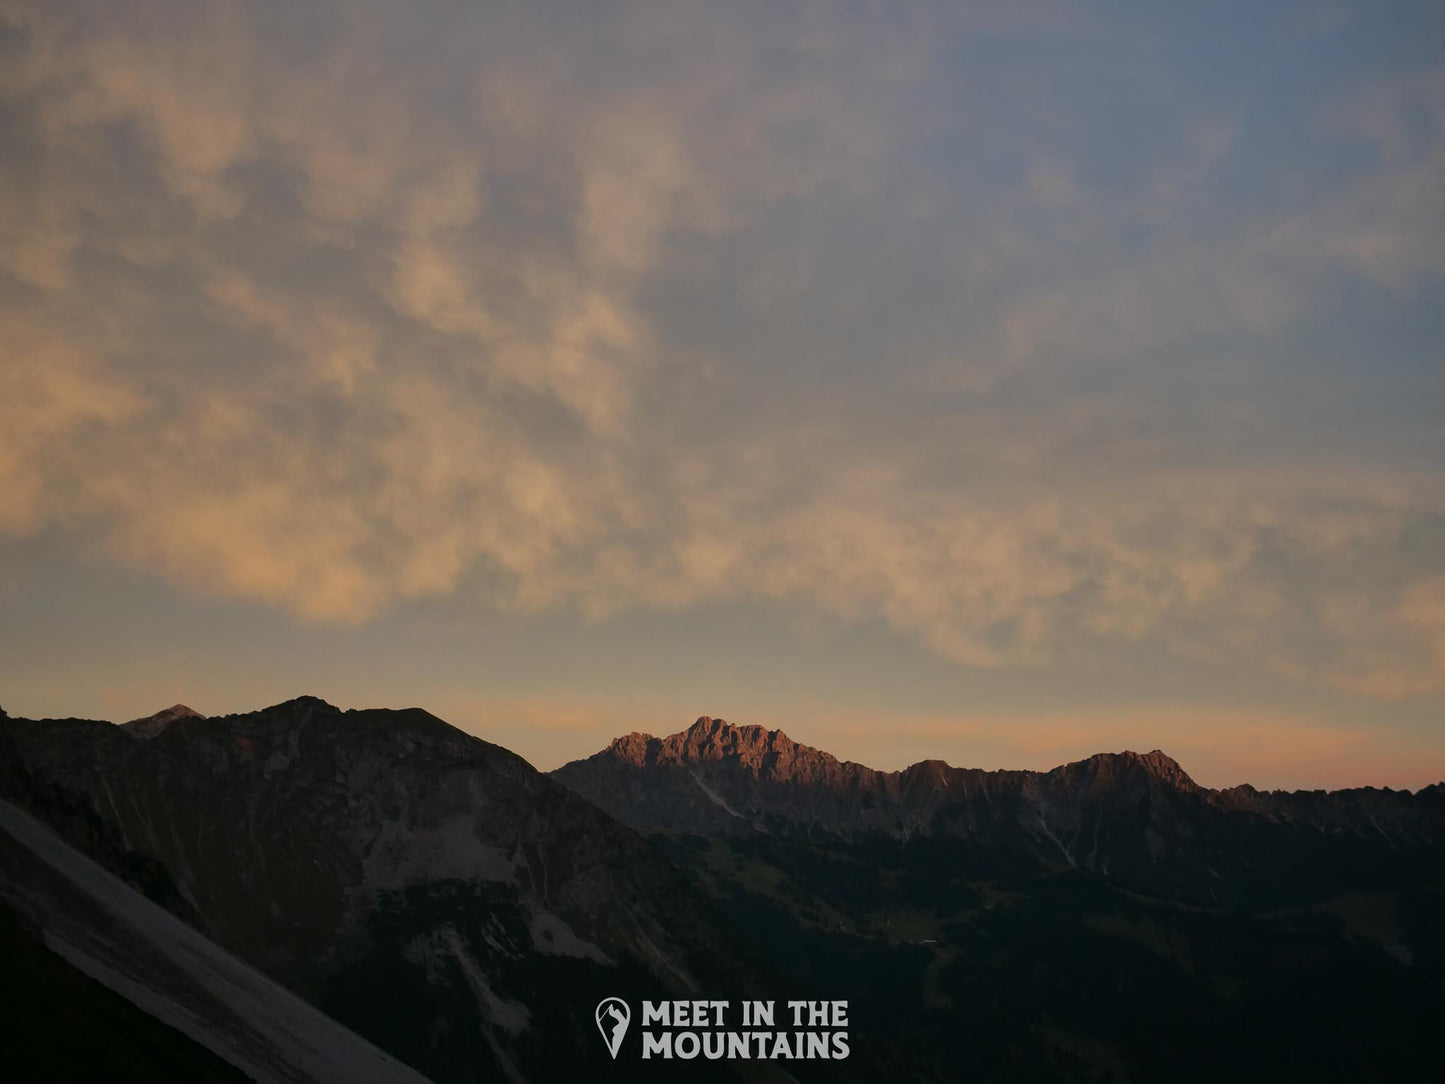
(432, 894)
(1137, 818)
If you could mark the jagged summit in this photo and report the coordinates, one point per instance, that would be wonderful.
(760, 752)
(1163, 765)
(305, 700)
(711, 739)
(708, 732)
(175, 711)
(717, 777)
(151, 725)
(1155, 764)
(1119, 811)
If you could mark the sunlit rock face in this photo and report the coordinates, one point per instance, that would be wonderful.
(1136, 817)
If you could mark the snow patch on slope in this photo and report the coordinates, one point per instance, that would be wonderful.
(404, 854)
(553, 937)
(278, 1036)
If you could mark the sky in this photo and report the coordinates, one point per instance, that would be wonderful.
(999, 383)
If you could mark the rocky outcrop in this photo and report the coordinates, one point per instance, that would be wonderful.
(151, 725)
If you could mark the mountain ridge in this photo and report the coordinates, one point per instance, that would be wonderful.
(438, 895)
(710, 734)
(1134, 815)
(1008, 902)
(424, 887)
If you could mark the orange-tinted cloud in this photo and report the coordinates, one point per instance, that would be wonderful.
(295, 316)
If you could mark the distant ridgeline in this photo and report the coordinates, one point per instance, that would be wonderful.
(1107, 920)
(1135, 818)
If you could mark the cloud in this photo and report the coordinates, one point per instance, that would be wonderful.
(330, 310)
(54, 401)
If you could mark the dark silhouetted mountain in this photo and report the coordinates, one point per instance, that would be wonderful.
(426, 888)
(1107, 920)
(152, 725)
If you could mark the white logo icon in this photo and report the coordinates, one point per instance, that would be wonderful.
(613, 1016)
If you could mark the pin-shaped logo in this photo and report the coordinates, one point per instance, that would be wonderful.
(613, 1016)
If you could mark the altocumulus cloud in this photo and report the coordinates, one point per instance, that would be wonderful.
(335, 306)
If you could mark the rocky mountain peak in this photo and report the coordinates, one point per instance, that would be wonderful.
(1162, 766)
(1160, 760)
(710, 738)
(175, 711)
(306, 702)
(706, 740)
(1114, 768)
(635, 749)
(757, 750)
(151, 725)
(706, 724)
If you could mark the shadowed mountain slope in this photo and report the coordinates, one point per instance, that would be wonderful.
(427, 888)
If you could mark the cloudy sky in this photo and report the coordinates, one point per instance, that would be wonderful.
(1000, 383)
